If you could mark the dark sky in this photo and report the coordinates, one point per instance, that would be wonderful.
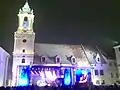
(65, 21)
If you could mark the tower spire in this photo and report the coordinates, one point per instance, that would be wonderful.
(26, 17)
(26, 8)
(26, 1)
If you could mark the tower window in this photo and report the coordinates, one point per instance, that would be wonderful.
(25, 19)
(98, 59)
(23, 50)
(24, 40)
(23, 60)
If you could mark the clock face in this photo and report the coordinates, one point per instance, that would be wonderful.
(25, 24)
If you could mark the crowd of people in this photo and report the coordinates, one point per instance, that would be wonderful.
(74, 87)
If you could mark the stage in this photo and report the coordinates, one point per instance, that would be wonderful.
(52, 75)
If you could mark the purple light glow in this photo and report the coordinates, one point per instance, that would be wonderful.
(32, 73)
(50, 76)
(43, 76)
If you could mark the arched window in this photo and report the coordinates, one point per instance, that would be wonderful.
(25, 22)
(98, 59)
(42, 59)
(73, 60)
(23, 60)
(25, 19)
(23, 50)
(57, 60)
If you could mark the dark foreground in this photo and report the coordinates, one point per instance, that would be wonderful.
(75, 87)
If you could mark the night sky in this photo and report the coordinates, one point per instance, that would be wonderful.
(91, 22)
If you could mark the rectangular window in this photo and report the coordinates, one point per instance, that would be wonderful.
(110, 64)
(117, 75)
(111, 75)
(96, 72)
(101, 72)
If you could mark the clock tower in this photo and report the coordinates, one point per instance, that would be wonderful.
(23, 52)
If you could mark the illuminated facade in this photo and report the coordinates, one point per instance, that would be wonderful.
(117, 53)
(4, 59)
(103, 70)
(24, 37)
(55, 59)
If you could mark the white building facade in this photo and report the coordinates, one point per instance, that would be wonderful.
(117, 53)
(24, 37)
(27, 52)
(4, 59)
(103, 70)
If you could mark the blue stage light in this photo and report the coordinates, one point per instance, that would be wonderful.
(23, 82)
(78, 72)
(67, 77)
(24, 78)
(82, 75)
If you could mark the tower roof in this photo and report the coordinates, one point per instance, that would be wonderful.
(26, 9)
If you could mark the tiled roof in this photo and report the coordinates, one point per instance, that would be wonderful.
(82, 53)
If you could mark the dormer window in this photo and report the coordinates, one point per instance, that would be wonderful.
(73, 60)
(43, 59)
(98, 59)
(57, 60)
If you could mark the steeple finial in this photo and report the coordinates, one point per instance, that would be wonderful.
(26, 8)
(26, 1)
